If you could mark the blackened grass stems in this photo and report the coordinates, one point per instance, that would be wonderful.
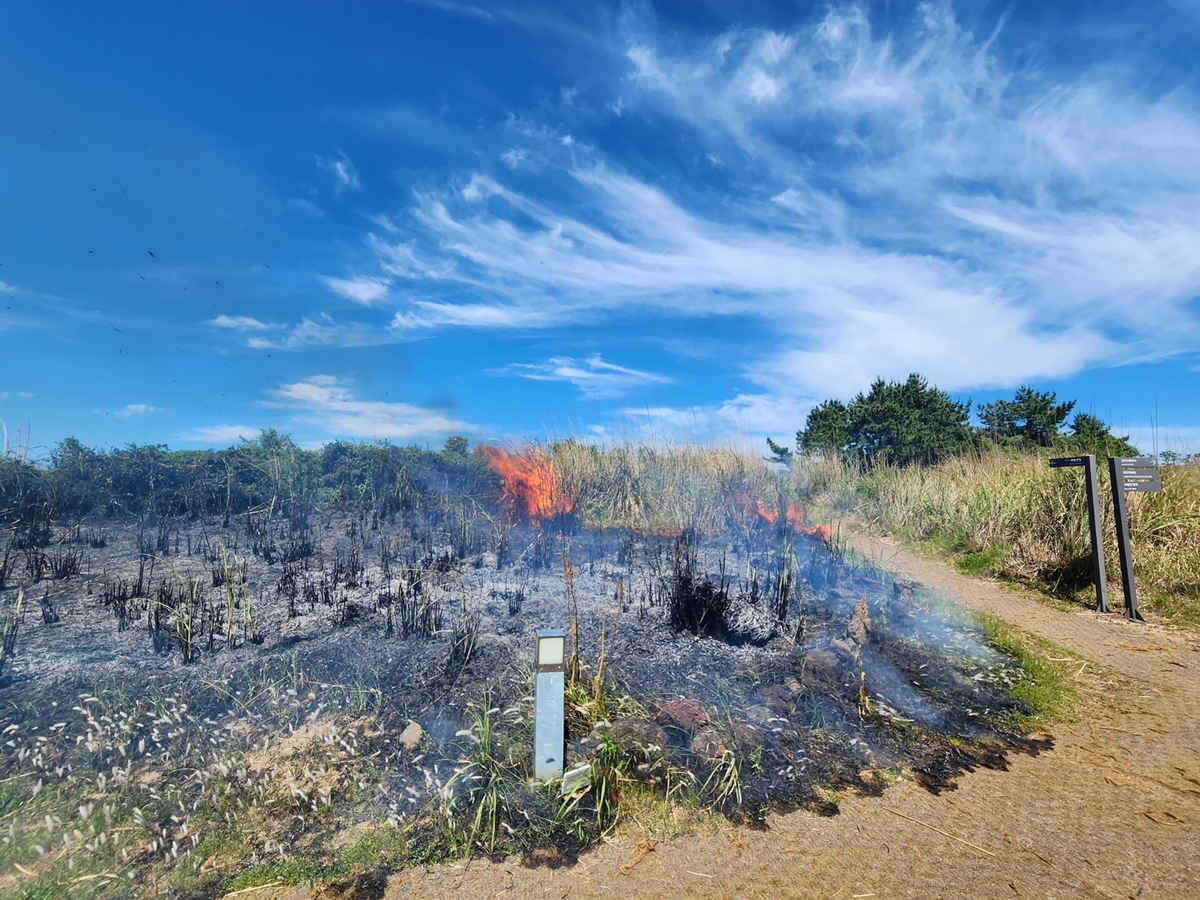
(229, 597)
(575, 664)
(8, 637)
(609, 632)
(65, 563)
(7, 561)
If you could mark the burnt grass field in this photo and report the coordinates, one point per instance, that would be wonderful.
(197, 702)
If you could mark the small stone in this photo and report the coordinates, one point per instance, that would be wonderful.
(683, 713)
(709, 743)
(859, 628)
(778, 698)
(410, 737)
(820, 665)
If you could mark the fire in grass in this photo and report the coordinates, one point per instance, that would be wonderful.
(531, 490)
(786, 512)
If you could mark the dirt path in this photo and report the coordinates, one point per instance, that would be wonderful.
(1113, 811)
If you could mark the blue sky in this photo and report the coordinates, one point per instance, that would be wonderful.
(398, 221)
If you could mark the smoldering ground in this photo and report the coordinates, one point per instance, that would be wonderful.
(299, 692)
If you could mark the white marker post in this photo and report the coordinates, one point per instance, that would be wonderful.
(549, 739)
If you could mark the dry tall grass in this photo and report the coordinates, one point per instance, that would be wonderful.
(654, 489)
(1016, 517)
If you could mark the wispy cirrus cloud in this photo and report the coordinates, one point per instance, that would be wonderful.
(842, 310)
(332, 406)
(237, 323)
(136, 409)
(361, 289)
(593, 376)
(462, 9)
(219, 435)
(325, 407)
(428, 315)
(323, 331)
(742, 420)
(345, 175)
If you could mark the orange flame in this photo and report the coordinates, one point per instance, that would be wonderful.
(794, 516)
(530, 482)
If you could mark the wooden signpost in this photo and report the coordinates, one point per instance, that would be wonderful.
(1138, 474)
(1093, 501)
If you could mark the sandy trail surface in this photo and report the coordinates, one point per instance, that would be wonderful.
(1112, 811)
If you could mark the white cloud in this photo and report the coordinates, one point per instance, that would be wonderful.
(426, 314)
(842, 312)
(594, 377)
(515, 157)
(745, 420)
(345, 175)
(323, 332)
(305, 207)
(330, 405)
(7, 288)
(220, 435)
(463, 9)
(136, 409)
(361, 289)
(237, 323)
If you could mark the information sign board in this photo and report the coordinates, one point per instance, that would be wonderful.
(1139, 474)
(1065, 461)
(1130, 473)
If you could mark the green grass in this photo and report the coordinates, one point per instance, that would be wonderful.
(1178, 608)
(376, 847)
(979, 564)
(290, 871)
(1048, 685)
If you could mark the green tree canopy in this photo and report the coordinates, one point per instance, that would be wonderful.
(902, 422)
(826, 430)
(1090, 434)
(1031, 416)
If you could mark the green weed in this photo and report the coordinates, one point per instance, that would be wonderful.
(1048, 685)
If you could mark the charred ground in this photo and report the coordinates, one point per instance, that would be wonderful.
(299, 691)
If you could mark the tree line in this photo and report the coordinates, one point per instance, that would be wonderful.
(263, 474)
(913, 423)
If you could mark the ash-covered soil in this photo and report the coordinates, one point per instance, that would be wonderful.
(757, 660)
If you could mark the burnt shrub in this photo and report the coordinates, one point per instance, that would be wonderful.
(694, 603)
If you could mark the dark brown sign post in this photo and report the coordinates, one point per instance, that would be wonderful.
(1138, 474)
(1093, 501)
